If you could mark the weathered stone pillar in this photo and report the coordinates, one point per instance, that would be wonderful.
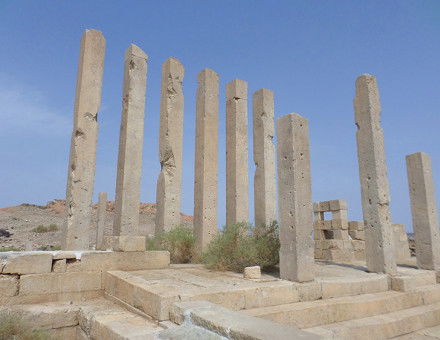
(295, 207)
(206, 159)
(237, 192)
(82, 161)
(373, 177)
(264, 158)
(424, 210)
(100, 220)
(169, 183)
(126, 222)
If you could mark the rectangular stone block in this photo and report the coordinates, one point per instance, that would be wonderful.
(339, 224)
(324, 206)
(53, 283)
(8, 285)
(295, 199)
(103, 261)
(126, 243)
(338, 205)
(316, 207)
(357, 235)
(358, 245)
(356, 225)
(26, 263)
(373, 177)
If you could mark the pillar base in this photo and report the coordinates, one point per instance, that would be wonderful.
(126, 243)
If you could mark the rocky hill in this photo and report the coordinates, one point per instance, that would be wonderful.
(31, 227)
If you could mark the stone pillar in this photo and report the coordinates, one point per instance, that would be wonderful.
(100, 220)
(237, 192)
(424, 210)
(373, 177)
(206, 159)
(169, 183)
(264, 158)
(82, 161)
(128, 181)
(295, 199)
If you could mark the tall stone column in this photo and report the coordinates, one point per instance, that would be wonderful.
(295, 206)
(169, 183)
(264, 158)
(424, 210)
(131, 138)
(373, 177)
(100, 220)
(82, 161)
(237, 191)
(206, 160)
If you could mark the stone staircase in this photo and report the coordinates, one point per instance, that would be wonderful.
(409, 310)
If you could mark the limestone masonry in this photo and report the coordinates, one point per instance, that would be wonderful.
(338, 279)
(169, 183)
(373, 176)
(82, 161)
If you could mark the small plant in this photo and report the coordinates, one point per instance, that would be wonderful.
(241, 245)
(3, 249)
(49, 247)
(45, 229)
(13, 326)
(178, 241)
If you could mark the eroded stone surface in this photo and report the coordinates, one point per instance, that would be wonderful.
(131, 140)
(373, 177)
(295, 199)
(424, 210)
(100, 223)
(264, 158)
(237, 200)
(82, 161)
(169, 183)
(206, 160)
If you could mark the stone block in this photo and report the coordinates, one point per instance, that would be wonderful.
(252, 272)
(338, 205)
(356, 225)
(103, 261)
(324, 206)
(339, 224)
(316, 207)
(126, 243)
(8, 285)
(59, 255)
(54, 283)
(234, 325)
(357, 235)
(413, 279)
(336, 287)
(28, 263)
(358, 244)
(59, 266)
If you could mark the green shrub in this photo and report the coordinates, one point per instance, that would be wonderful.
(178, 241)
(43, 229)
(13, 326)
(3, 249)
(241, 245)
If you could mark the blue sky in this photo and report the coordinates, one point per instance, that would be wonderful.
(308, 52)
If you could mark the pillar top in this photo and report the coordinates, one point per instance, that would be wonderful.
(136, 51)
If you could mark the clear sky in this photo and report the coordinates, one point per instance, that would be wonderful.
(308, 52)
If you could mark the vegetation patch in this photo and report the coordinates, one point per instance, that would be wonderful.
(178, 241)
(45, 229)
(242, 245)
(3, 249)
(13, 326)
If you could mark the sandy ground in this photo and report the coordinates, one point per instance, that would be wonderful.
(20, 220)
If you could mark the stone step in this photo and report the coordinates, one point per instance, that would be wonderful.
(411, 278)
(320, 312)
(108, 320)
(384, 326)
(154, 292)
